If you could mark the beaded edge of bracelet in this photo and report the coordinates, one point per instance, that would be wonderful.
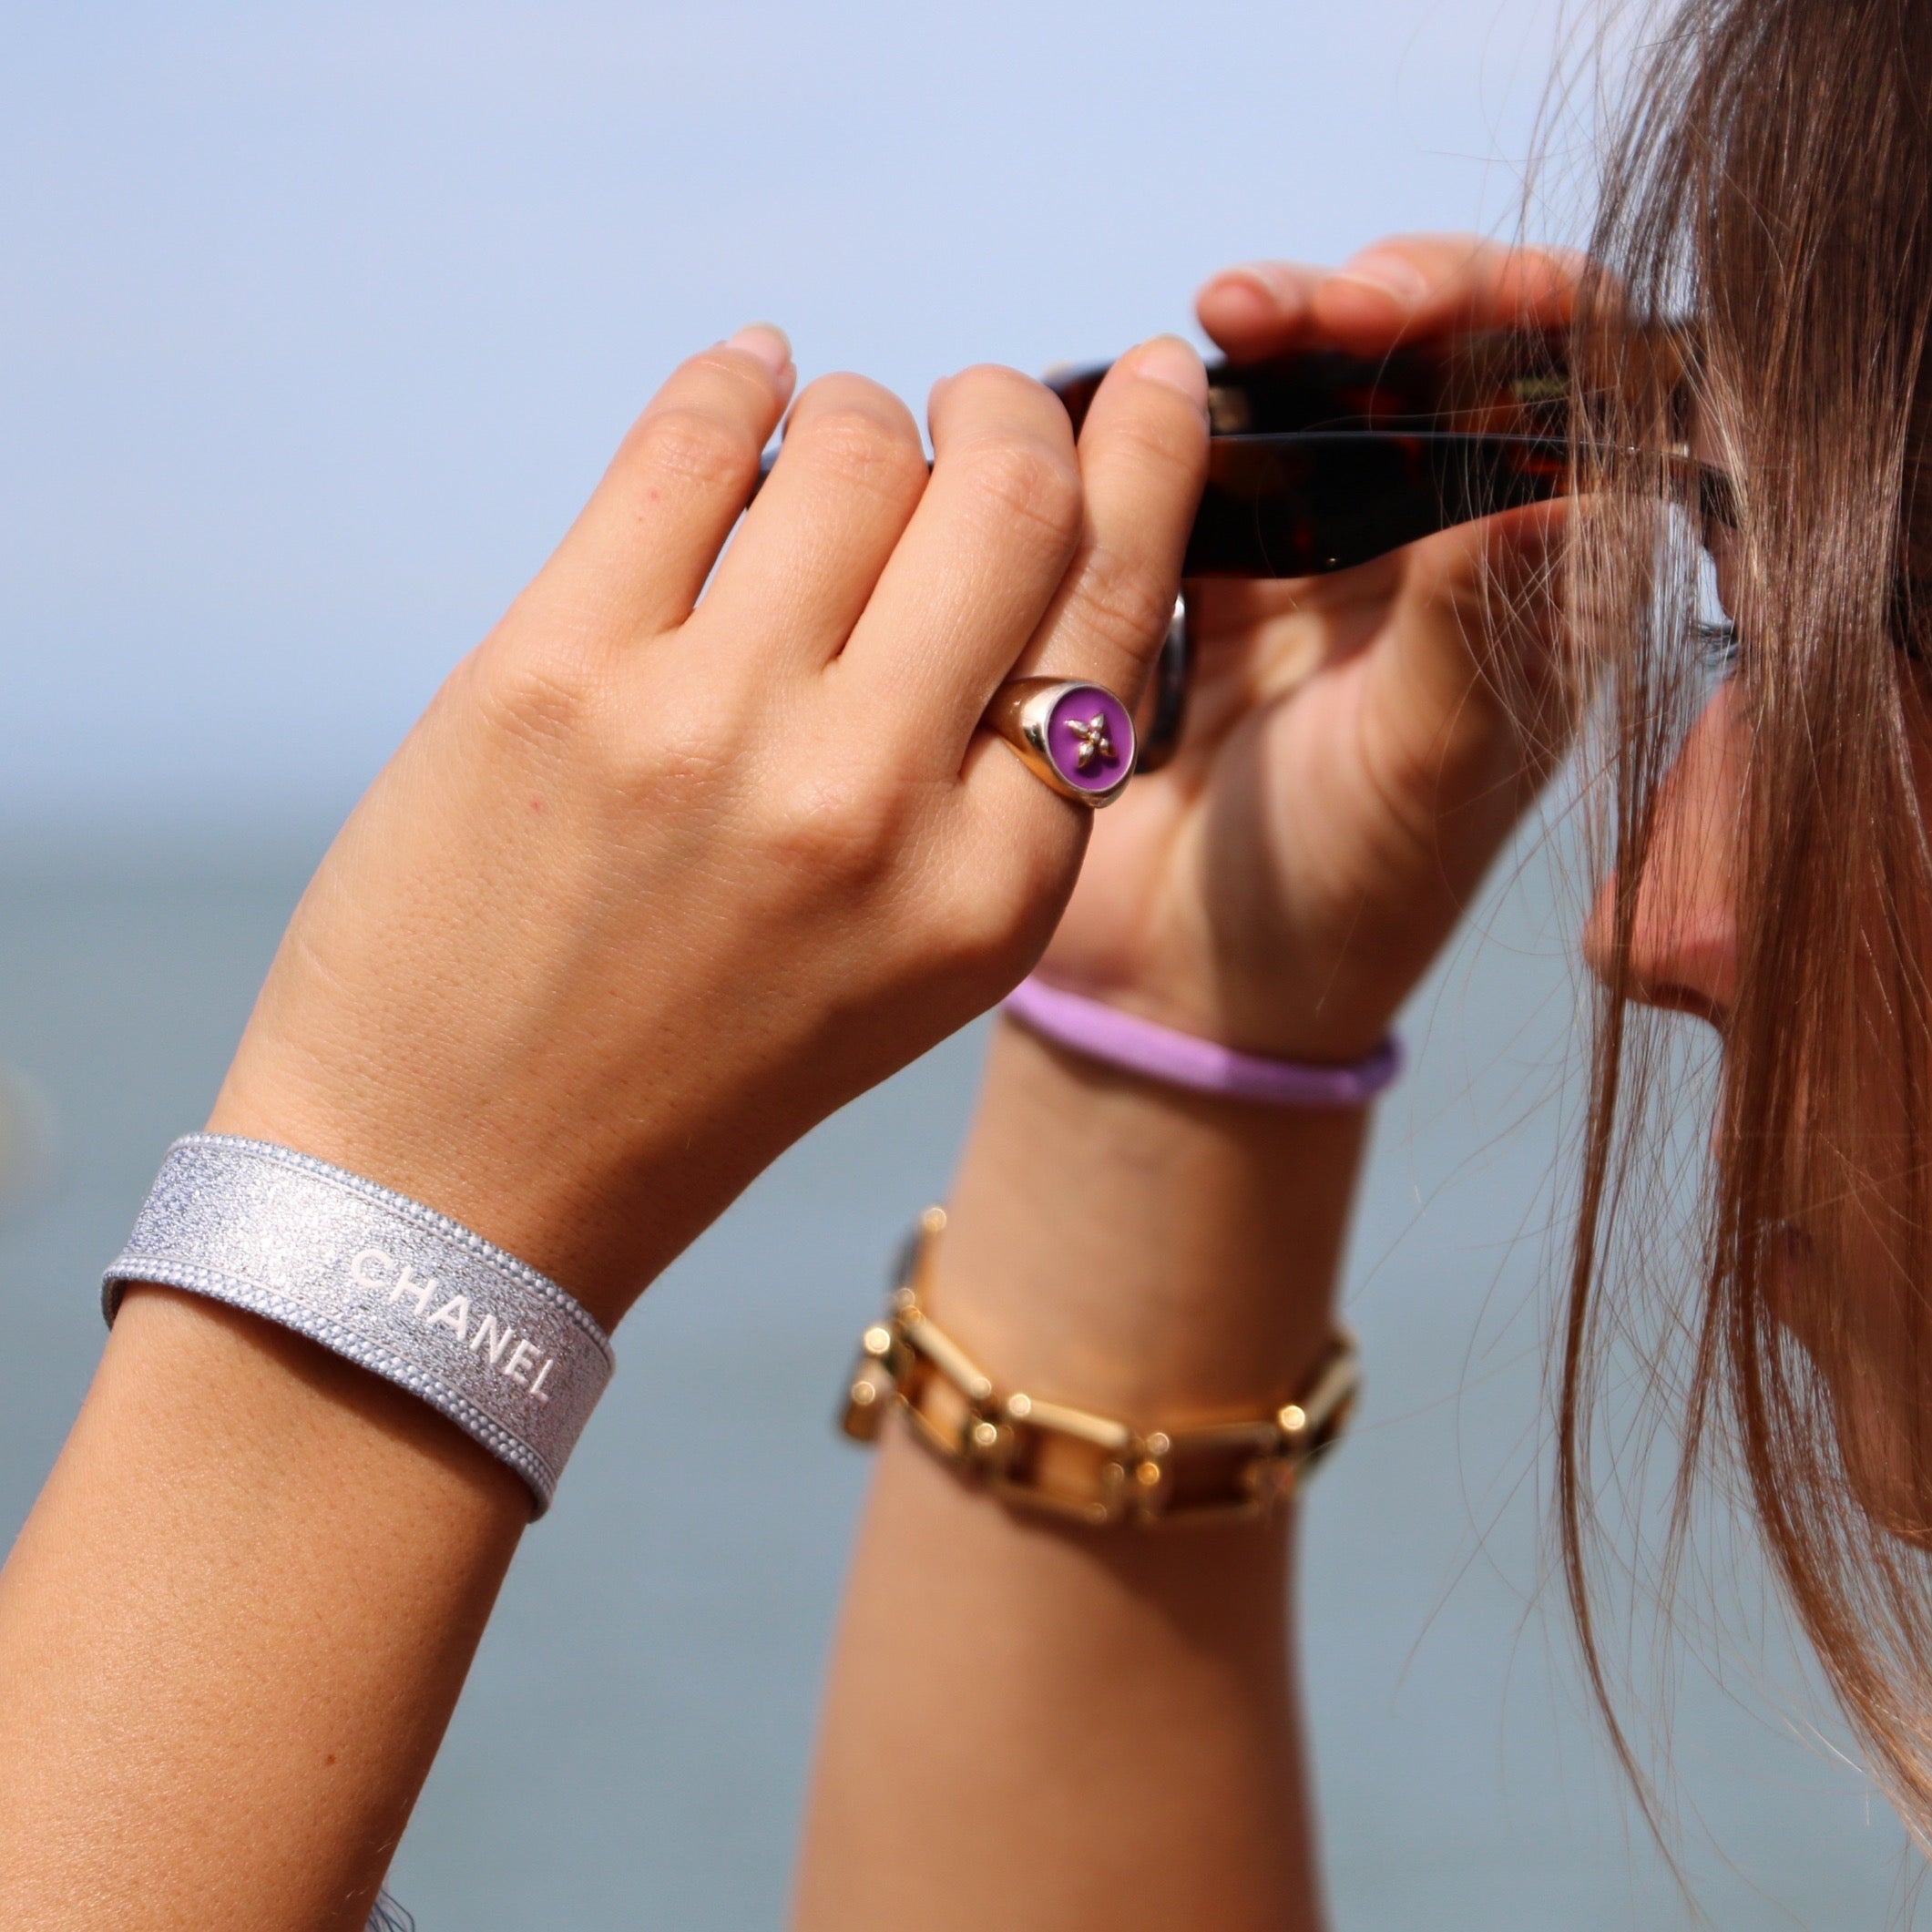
(1070, 1462)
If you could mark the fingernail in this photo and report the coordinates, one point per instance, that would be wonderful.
(1393, 274)
(1257, 277)
(1167, 359)
(768, 342)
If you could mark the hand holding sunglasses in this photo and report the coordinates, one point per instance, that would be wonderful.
(1324, 457)
(1372, 603)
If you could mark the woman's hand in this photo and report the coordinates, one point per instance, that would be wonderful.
(1358, 745)
(1349, 768)
(663, 878)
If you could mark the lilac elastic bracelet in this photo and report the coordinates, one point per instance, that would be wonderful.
(1121, 1039)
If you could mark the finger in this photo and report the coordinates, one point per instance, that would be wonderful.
(976, 568)
(1419, 285)
(635, 561)
(1466, 702)
(1143, 454)
(846, 483)
(1260, 309)
(1143, 458)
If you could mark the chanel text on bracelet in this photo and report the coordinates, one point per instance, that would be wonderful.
(1070, 1462)
(1119, 1039)
(410, 1294)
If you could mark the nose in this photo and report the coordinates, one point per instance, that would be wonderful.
(1683, 936)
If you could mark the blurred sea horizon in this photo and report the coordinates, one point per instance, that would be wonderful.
(633, 1745)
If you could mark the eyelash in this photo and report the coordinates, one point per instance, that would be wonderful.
(1717, 646)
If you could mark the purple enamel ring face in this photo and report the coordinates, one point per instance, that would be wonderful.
(1090, 738)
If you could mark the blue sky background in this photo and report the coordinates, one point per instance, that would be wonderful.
(318, 323)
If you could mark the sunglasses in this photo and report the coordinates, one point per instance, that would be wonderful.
(1322, 460)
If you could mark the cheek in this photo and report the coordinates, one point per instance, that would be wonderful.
(1845, 1279)
(1835, 1283)
(1879, 1414)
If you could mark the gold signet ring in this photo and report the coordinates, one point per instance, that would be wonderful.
(1078, 738)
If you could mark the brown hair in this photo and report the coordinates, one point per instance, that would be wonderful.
(1770, 177)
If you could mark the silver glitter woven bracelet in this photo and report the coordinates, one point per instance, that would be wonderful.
(407, 1292)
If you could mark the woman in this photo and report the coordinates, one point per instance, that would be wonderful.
(659, 881)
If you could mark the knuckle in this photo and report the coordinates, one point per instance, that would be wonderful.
(995, 382)
(1028, 482)
(542, 691)
(692, 445)
(1161, 442)
(1120, 602)
(859, 393)
(689, 736)
(578, 707)
(1003, 909)
(987, 928)
(838, 827)
(857, 445)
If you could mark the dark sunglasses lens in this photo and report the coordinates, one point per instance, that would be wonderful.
(1490, 382)
(1298, 505)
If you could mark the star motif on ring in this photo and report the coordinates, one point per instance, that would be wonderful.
(1093, 739)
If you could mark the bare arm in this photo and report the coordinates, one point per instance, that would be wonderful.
(649, 891)
(234, 1629)
(1032, 1727)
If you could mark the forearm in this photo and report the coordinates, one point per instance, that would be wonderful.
(233, 1630)
(600, 941)
(1074, 1727)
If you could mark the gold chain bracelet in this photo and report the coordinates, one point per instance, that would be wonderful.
(1046, 1456)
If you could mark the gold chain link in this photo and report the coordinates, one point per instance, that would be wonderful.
(1048, 1456)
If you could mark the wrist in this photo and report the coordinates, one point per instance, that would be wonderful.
(382, 1280)
(1307, 1015)
(600, 1218)
(1119, 1038)
(1116, 1243)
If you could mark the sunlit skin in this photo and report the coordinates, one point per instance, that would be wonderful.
(1121, 1739)
(718, 865)
(1684, 942)
(238, 1618)
(1358, 748)
(1829, 1277)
